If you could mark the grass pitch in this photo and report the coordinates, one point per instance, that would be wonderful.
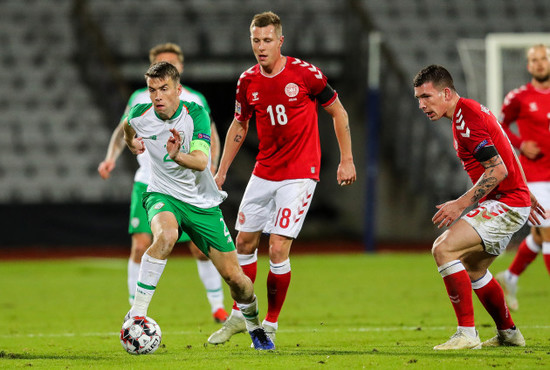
(342, 311)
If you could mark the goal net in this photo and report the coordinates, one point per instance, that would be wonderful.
(497, 64)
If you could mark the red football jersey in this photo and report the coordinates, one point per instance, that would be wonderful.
(475, 127)
(530, 109)
(286, 119)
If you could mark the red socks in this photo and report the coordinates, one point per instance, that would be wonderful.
(277, 286)
(491, 296)
(523, 258)
(459, 289)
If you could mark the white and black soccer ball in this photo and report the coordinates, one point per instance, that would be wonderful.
(140, 335)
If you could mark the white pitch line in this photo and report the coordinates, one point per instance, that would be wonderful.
(304, 330)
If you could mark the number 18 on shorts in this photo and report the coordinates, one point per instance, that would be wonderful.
(275, 207)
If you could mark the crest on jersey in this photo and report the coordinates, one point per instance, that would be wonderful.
(291, 90)
(242, 218)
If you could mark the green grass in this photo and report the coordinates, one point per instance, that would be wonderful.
(342, 311)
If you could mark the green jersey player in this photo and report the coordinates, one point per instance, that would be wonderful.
(182, 194)
(141, 235)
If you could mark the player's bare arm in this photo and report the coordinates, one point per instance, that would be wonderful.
(196, 160)
(495, 172)
(233, 142)
(346, 174)
(135, 144)
(116, 146)
(215, 146)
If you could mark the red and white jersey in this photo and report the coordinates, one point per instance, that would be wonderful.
(475, 127)
(530, 109)
(286, 119)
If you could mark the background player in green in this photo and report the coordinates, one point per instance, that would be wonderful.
(139, 227)
(182, 194)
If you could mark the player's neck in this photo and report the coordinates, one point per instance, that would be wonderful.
(544, 85)
(452, 106)
(276, 68)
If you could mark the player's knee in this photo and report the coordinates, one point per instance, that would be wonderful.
(278, 253)
(166, 237)
(245, 244)
(439, 249)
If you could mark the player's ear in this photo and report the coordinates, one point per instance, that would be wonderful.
(447, 93)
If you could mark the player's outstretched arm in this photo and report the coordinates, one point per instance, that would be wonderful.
(135, 144)
(116, 146)
(233, 142)
(215, 146)
(345, 174)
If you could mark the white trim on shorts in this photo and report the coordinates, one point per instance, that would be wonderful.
(275, 207)
(496, 223)
(541, 191)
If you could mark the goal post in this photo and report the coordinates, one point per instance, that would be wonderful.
(495, 65)
(495, 43)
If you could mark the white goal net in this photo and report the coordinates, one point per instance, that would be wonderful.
(497, 64)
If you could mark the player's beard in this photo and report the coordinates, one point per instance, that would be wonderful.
(543, 78)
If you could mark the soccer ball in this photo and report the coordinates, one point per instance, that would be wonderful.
(140, 335)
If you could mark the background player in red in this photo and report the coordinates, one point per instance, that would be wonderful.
(529, 107)
(283, 93)
(467, 248)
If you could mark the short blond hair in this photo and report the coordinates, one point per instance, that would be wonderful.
(168, 47)
(265, 19)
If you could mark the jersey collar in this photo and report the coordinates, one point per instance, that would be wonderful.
(175, 115)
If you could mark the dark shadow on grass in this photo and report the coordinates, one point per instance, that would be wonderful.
(29, 356)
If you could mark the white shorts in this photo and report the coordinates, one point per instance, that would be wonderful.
(541, 191)
(275, 207)
(496, 223)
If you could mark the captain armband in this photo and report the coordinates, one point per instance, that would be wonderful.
(485, 153)
(325, 95)
(201, 145)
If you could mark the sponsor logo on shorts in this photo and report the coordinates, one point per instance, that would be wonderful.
(159, 205)
(242, 219)
(134, 222)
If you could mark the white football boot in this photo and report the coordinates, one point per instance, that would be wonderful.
(460, 340)
(509, 337)
(233, 325)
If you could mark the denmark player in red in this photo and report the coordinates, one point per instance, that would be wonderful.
(283, 93)
(529, 107)
(464, 252)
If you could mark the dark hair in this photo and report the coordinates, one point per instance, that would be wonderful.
(163, 70)
(265, 19)
(435, 74)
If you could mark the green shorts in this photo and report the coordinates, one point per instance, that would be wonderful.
(138, 215)
(205, 226)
